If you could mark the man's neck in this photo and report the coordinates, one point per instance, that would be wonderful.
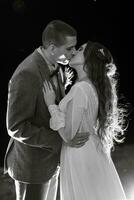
(48, 57)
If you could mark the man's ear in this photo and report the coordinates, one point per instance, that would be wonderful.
(52, 48)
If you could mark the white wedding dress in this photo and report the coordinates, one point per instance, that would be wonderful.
(86, 173)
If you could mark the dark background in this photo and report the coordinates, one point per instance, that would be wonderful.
(108, 22)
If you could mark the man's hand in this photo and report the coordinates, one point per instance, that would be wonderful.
(79, 140)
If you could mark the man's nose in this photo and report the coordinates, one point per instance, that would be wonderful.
(74, 52)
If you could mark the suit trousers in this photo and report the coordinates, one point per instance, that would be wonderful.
(45, 191)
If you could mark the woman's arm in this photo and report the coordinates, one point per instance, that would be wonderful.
(68, 123)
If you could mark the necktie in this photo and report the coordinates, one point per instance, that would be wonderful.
(55, 72)
(58, 72)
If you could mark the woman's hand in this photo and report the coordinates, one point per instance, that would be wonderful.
(49, 94)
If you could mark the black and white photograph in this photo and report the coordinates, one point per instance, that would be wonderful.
(67, 101)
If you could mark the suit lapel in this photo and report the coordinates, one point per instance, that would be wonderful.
(45, 74)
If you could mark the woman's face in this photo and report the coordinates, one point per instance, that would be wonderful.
(78, 59)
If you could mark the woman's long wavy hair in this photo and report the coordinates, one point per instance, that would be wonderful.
(102, 72)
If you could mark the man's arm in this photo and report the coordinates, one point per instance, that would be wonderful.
(79, 140)
(22, 99)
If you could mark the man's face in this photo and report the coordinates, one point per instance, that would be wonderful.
(68, 49)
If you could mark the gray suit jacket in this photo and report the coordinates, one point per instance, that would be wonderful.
(34, 149)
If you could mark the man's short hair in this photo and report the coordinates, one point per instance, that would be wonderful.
(56, 32)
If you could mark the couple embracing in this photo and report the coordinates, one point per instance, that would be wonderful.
(53, 132)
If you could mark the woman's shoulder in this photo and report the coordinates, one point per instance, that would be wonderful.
(77, 87)
(76, 91)
(82, 85)
(88, 89)
(76, 95)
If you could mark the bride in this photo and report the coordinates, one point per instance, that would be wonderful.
(88, 173)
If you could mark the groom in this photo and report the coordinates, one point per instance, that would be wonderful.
(32, 156)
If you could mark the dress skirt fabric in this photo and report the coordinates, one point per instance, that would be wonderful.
(88, 174)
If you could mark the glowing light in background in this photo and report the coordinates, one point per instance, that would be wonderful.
(130, 191)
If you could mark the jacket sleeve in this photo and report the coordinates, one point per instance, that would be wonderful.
(21, 106)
